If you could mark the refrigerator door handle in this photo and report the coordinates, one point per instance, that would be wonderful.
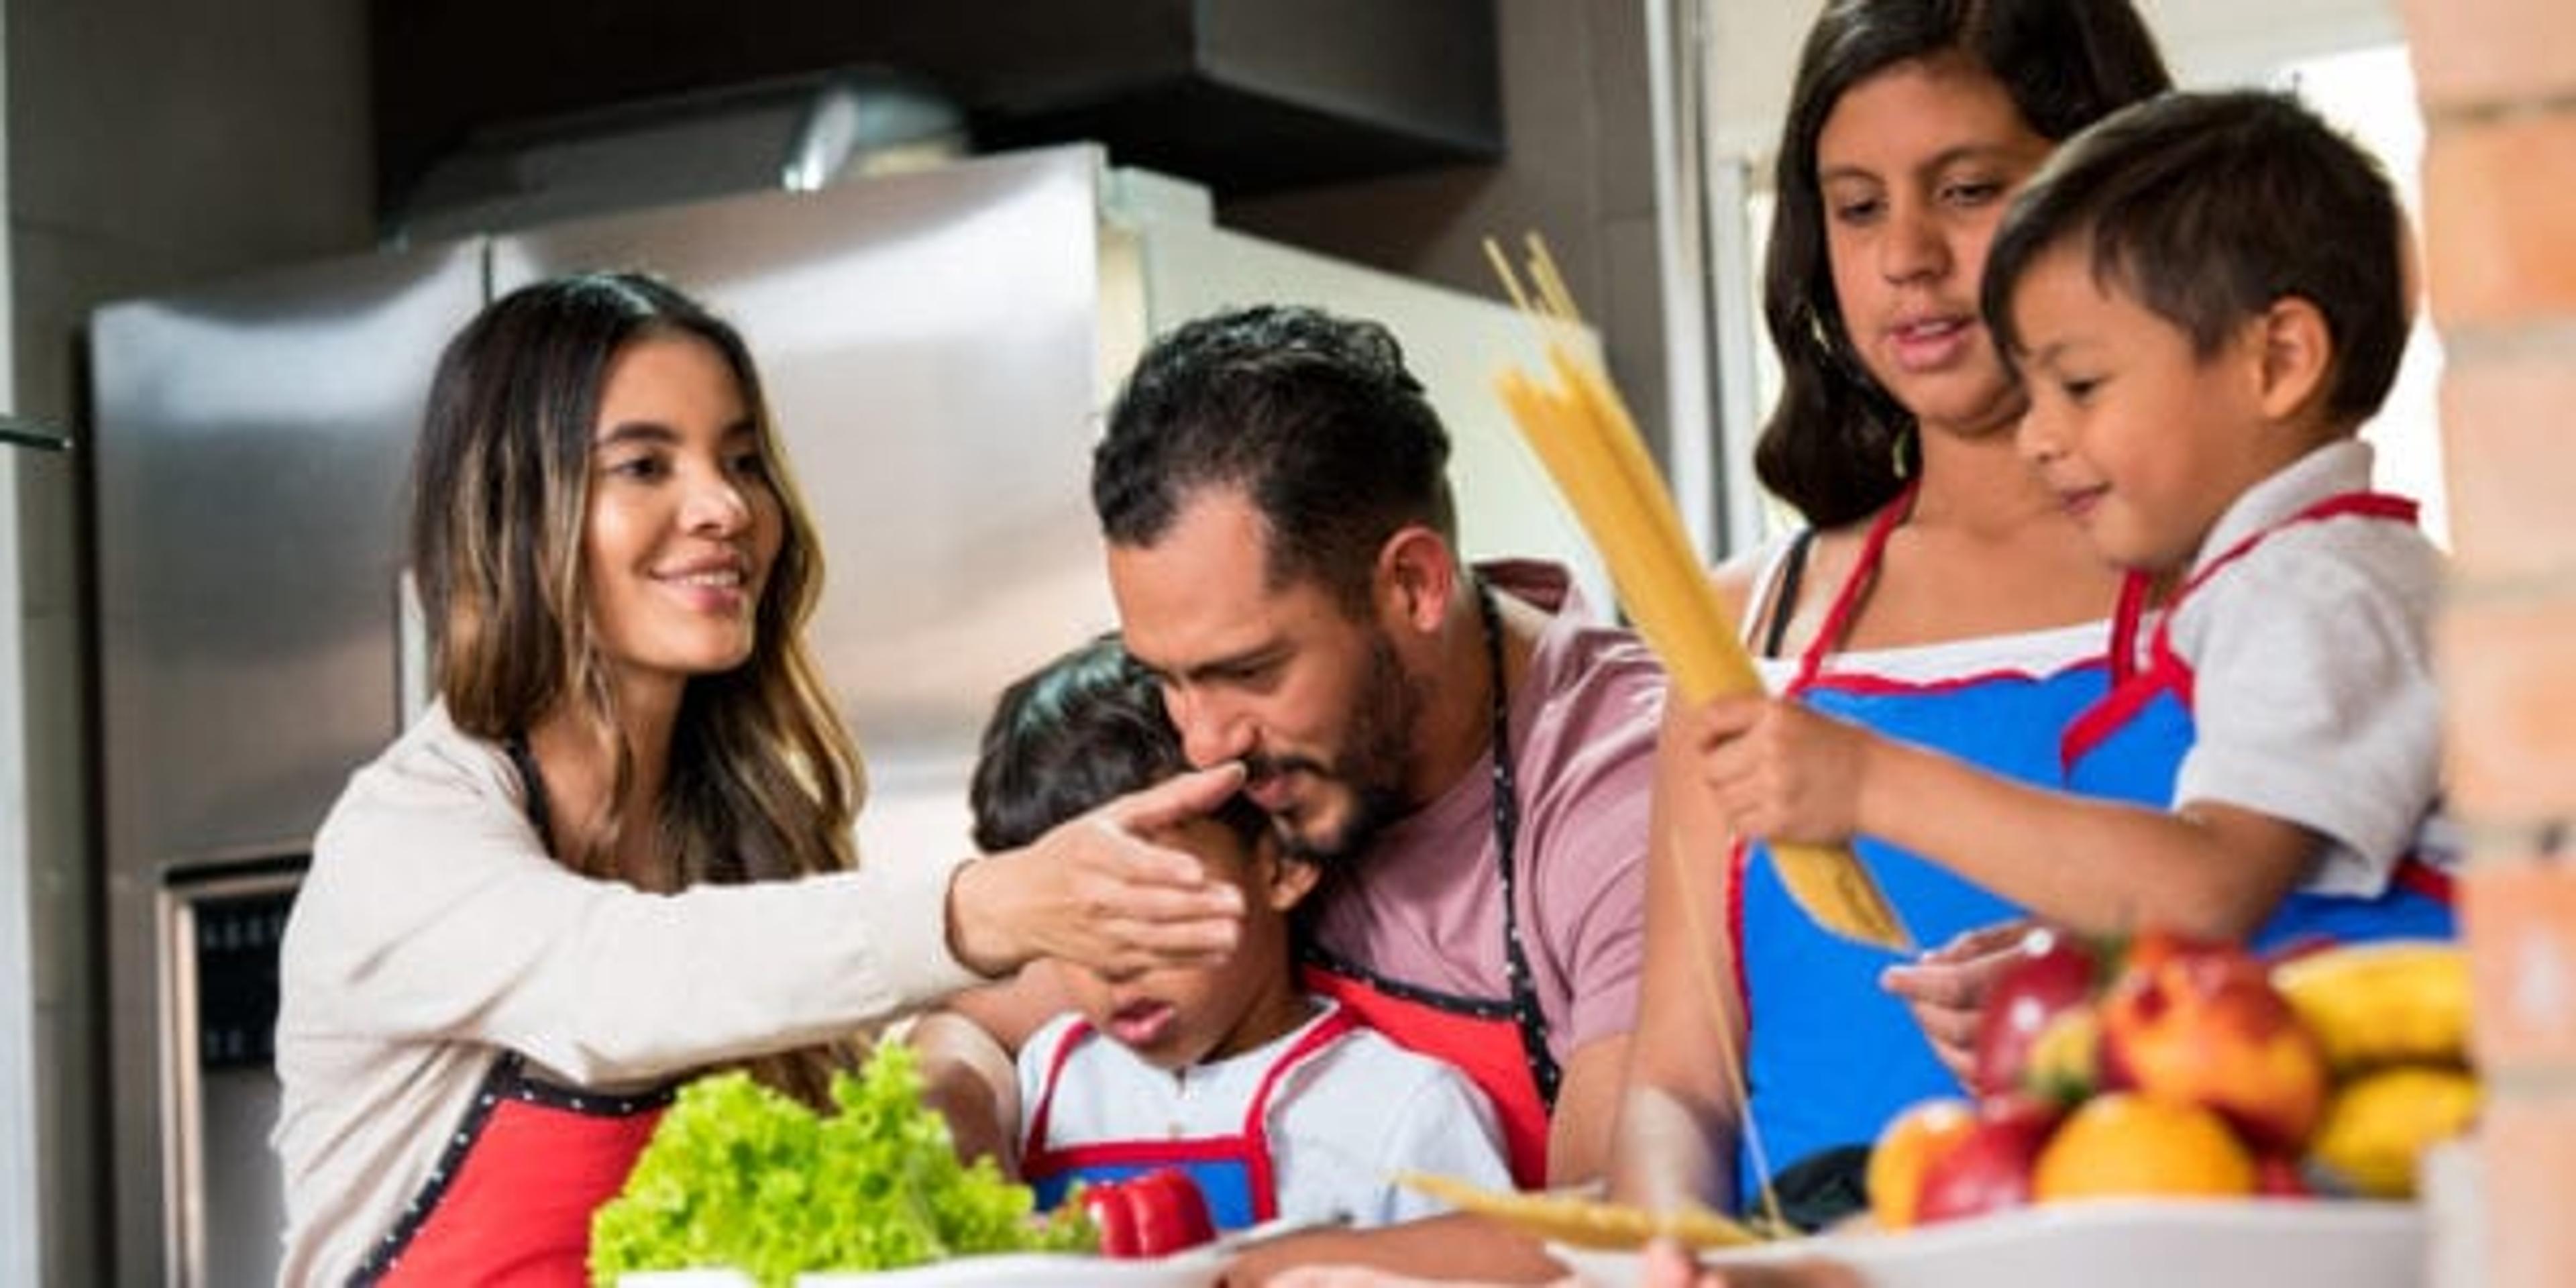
(19, 431)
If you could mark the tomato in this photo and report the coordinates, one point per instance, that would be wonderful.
(1150, 1214)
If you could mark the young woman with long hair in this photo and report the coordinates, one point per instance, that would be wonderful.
(1941, 595)
(617, 850)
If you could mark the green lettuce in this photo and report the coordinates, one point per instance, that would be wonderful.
(738, 1175)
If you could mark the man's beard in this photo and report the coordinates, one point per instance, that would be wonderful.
(1371, 765)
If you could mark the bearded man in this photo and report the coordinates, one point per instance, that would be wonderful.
(1466, 755)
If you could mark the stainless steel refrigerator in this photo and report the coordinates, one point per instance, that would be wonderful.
(938, 347)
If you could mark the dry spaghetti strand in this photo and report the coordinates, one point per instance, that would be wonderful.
(1582, 432)
(1582, 1222)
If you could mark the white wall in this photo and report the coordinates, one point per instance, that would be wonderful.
(2205, 41)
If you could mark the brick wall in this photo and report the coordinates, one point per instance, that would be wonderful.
(2498, 83)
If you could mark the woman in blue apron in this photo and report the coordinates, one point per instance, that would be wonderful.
(1830, 1053)
(2227, 468)
(1943, 596)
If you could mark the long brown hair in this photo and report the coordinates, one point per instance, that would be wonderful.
(763, 781)
(1831, 445)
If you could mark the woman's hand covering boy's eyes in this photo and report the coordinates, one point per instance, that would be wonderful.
(1096, 893)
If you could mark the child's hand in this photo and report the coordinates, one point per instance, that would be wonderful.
(1779, 771)
(1946, 989)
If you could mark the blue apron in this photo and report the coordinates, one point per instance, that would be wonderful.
(2152, 706)
(1234, 1172)
(1830, 1055)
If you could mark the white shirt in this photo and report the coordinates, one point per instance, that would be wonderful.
(2313, 693)
(1341, 1125)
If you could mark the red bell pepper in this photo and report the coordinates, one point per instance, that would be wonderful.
(1113, 1217)
(1151, 1214)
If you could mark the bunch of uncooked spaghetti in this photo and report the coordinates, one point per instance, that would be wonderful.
(1584, 436)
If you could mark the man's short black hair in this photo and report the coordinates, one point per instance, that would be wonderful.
(1312, 416)
(1079, 732)
(2208, 208)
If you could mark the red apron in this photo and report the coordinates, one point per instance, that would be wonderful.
(1499, 1043)
(511, 1198)
(1235, 1173)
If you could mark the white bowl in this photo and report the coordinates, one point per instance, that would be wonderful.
(1061, 1270)
(1196, 1269)
(2109, 1243)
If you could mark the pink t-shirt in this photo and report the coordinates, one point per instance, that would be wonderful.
(1424, 904)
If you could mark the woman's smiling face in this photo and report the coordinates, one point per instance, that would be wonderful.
(683, 524)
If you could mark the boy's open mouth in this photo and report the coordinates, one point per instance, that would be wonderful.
(1141, 1022)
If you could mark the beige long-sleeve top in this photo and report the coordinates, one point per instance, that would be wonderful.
(434, 930)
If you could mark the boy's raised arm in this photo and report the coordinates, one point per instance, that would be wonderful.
(1779, 770)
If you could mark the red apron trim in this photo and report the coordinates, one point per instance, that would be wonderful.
(2116, 708)
(2423, 878)
(2125, 616)
(2368, 505)
(1855, 587)
(1034, 1140)
(1811, 663)
(1887, 686)
(1256, 1127)
(2166, 670)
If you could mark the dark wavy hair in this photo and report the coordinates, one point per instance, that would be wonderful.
(1080, 731)
(2208, 209)
(763, 780)
(1830, 445)
(1314, 416)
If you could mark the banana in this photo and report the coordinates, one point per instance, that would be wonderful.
(2394, 1002)
(2379, 1124)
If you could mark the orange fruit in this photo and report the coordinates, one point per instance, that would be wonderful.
(1905, 1148)
(2130, 1145)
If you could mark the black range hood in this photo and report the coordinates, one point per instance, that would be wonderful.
(1244, 96)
